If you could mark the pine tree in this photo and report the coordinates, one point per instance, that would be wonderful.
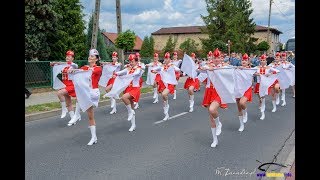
(170, 45)
(145, 49)
(229, 20)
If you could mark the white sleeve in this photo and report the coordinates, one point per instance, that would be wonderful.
(122, 72)
(274, 70)
(176, 68)
(136, 72)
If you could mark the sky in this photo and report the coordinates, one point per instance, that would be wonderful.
(147, 16)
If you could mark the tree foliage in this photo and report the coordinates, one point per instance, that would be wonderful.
(189, 46)
(70, 30)
(101, 45)
(126, 40)
(40, 21)
(170, 45)
(230, 20)
(147, 47)
(263, 46)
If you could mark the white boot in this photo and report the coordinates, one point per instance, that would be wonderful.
(277, 99)
(64, 109)
(166, 111)
(155, 93)
(241, 124)
(114, 109)
(136, 105)
(215, 137)
(112, 102)
(175, 94)
(191, 105)
(76, 116)
(219, 126)
(263, 107)
(283, 97)
(133, 124)
(71, 113)
(156, 99)
(274, 106)
(245, 115)
(130, 112)
(94, 138)
(262, 115)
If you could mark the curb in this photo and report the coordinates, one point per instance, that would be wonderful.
(289, 162)
(57, 112)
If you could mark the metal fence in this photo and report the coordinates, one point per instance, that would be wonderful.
(38, 74)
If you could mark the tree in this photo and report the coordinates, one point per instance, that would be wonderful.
(125, 40)
(110, 49)
(189, 46)
(101, 45)
(70, 30)
(229, 20)
(151, 47)
(170, 45)
(144, 52)
(208, 45)
(263, 46)
(40, 21)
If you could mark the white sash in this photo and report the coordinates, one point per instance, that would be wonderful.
(120, 84)
(223, 81)
(57, 84)
(83, 87)
(107, 71)
(150, 76)
(265, 83)
(243, 81)
(188, 66)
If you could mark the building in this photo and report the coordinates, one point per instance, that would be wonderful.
(161, 36)
(110, 39)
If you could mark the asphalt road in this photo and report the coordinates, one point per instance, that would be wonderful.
(175, 149)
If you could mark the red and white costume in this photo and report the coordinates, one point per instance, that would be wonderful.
(154, 77)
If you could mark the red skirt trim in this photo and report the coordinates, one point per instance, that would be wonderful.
(190, 82)
(162, 87)
(71, 91)
(111, 81)
(134, 92)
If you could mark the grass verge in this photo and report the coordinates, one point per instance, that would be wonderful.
(56, 105)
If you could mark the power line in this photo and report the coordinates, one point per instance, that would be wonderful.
(281, 12)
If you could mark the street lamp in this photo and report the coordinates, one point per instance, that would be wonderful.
(229, 43)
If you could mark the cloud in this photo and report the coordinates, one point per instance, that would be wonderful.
(147, 16)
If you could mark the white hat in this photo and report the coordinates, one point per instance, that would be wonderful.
(93, 52)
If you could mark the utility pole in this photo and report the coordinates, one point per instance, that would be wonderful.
(95, 25)
(268, 32)
(119, 29)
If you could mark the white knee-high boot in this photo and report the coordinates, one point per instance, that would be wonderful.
(64, 109)
(245, 115)
(76, 116)
(166, 110)
(263, 107)
(241, 124)
(214, 137)
(219, 126)
(274, 106)
(94, 138)
(283, 97)
(175, 94)
(191, 103)
(130, 112)
(133, 124)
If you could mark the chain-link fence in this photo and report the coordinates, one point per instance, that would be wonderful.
(38, 74)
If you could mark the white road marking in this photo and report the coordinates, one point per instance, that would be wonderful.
(177, 115)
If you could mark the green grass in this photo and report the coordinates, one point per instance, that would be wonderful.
(56, 105)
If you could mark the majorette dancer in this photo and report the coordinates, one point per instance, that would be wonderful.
(202, 76)
(264, 70)
(66, 93)
(243, 88)
(276, 86)
(287, 66)
(192, 84)
(167, 82)
(177, 63)
(132, 92)
(94, 92)
(143, 68)
(117, 67)
(153, 78)
(211, 99)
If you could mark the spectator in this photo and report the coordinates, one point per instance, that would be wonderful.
(270, 58)
(234, 61)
